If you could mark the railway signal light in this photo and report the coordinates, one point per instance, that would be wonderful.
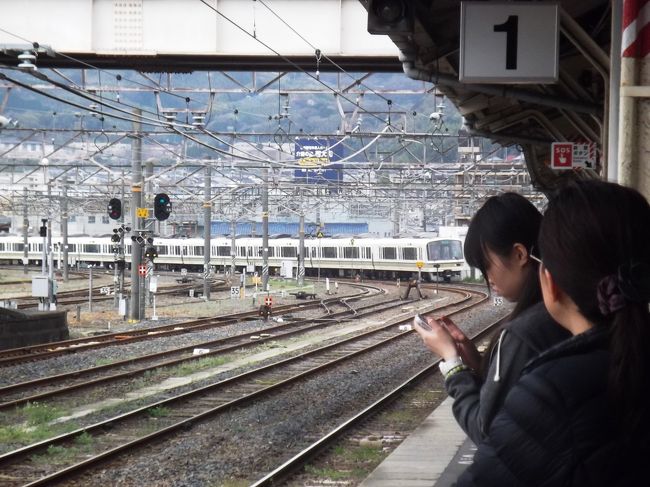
(139, 239)
(116, 236)
(162, 206)
(114, 209)
(151, 253)
(42, 231)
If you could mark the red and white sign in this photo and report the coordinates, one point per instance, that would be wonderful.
(142, 270)
(571, 155)
(268, 301)
(562, 155)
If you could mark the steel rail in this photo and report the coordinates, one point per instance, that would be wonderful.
(183, 398)
(298, 461)
(31, 353)
(241, 341)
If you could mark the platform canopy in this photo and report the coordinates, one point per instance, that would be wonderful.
(532, 114)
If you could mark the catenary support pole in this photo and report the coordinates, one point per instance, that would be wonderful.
(64, 230)
(138, 223)
(265, 228)
(25, 231)
(207, 224)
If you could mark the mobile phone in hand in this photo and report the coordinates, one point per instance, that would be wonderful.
(421, 322)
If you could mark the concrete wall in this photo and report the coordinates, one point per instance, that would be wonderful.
(18, 329)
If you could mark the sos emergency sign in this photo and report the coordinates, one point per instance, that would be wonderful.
(570, 155)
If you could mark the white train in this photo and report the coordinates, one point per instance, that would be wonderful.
(343, 256)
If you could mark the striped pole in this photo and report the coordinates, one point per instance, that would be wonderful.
(635, 47)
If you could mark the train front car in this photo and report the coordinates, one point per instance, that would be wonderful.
(444, 258)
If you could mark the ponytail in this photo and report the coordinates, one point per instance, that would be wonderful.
(594, 241)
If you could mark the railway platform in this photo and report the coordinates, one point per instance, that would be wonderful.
(432, 456)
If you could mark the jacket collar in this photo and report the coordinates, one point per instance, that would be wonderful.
(596, 338)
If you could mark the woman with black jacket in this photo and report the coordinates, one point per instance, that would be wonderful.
(579, 414)
(499, 242)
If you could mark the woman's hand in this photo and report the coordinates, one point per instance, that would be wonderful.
(438, 340)
(466, 349)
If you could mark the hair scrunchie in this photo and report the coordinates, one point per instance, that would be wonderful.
(631, 284)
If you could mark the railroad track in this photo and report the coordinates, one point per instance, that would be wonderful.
(67, 383)
(37, 352)
(78, 296)
(346, 428)
(126, 432)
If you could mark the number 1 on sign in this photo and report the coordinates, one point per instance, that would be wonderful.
(511, 28)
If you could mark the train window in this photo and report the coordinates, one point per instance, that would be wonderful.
(350, 252)
(329, 253)
(249, 251)
(271, 251)
(223, 250)
(72, 247)
(19, 247)
(128, 249)
(198, 250)
(288, 251)
(445, 250)
(162, 249)
(2, 247)
(311, 251)
(91, 219)
(410, 253)
(91, 248)
(389, 253)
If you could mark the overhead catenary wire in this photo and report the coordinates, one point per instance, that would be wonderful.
(84, 63)
(142, 119)
(150, 121)
(285, 58)
(320, 53)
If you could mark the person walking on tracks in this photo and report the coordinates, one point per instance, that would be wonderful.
(499, 242)
(579, 414)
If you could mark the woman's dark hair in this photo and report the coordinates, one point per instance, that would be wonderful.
(595, 234)
(498, 225)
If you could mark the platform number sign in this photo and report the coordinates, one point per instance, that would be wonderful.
(509, 42)
(234, 292)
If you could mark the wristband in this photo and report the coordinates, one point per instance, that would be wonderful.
(455, 370)
(447, 365)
